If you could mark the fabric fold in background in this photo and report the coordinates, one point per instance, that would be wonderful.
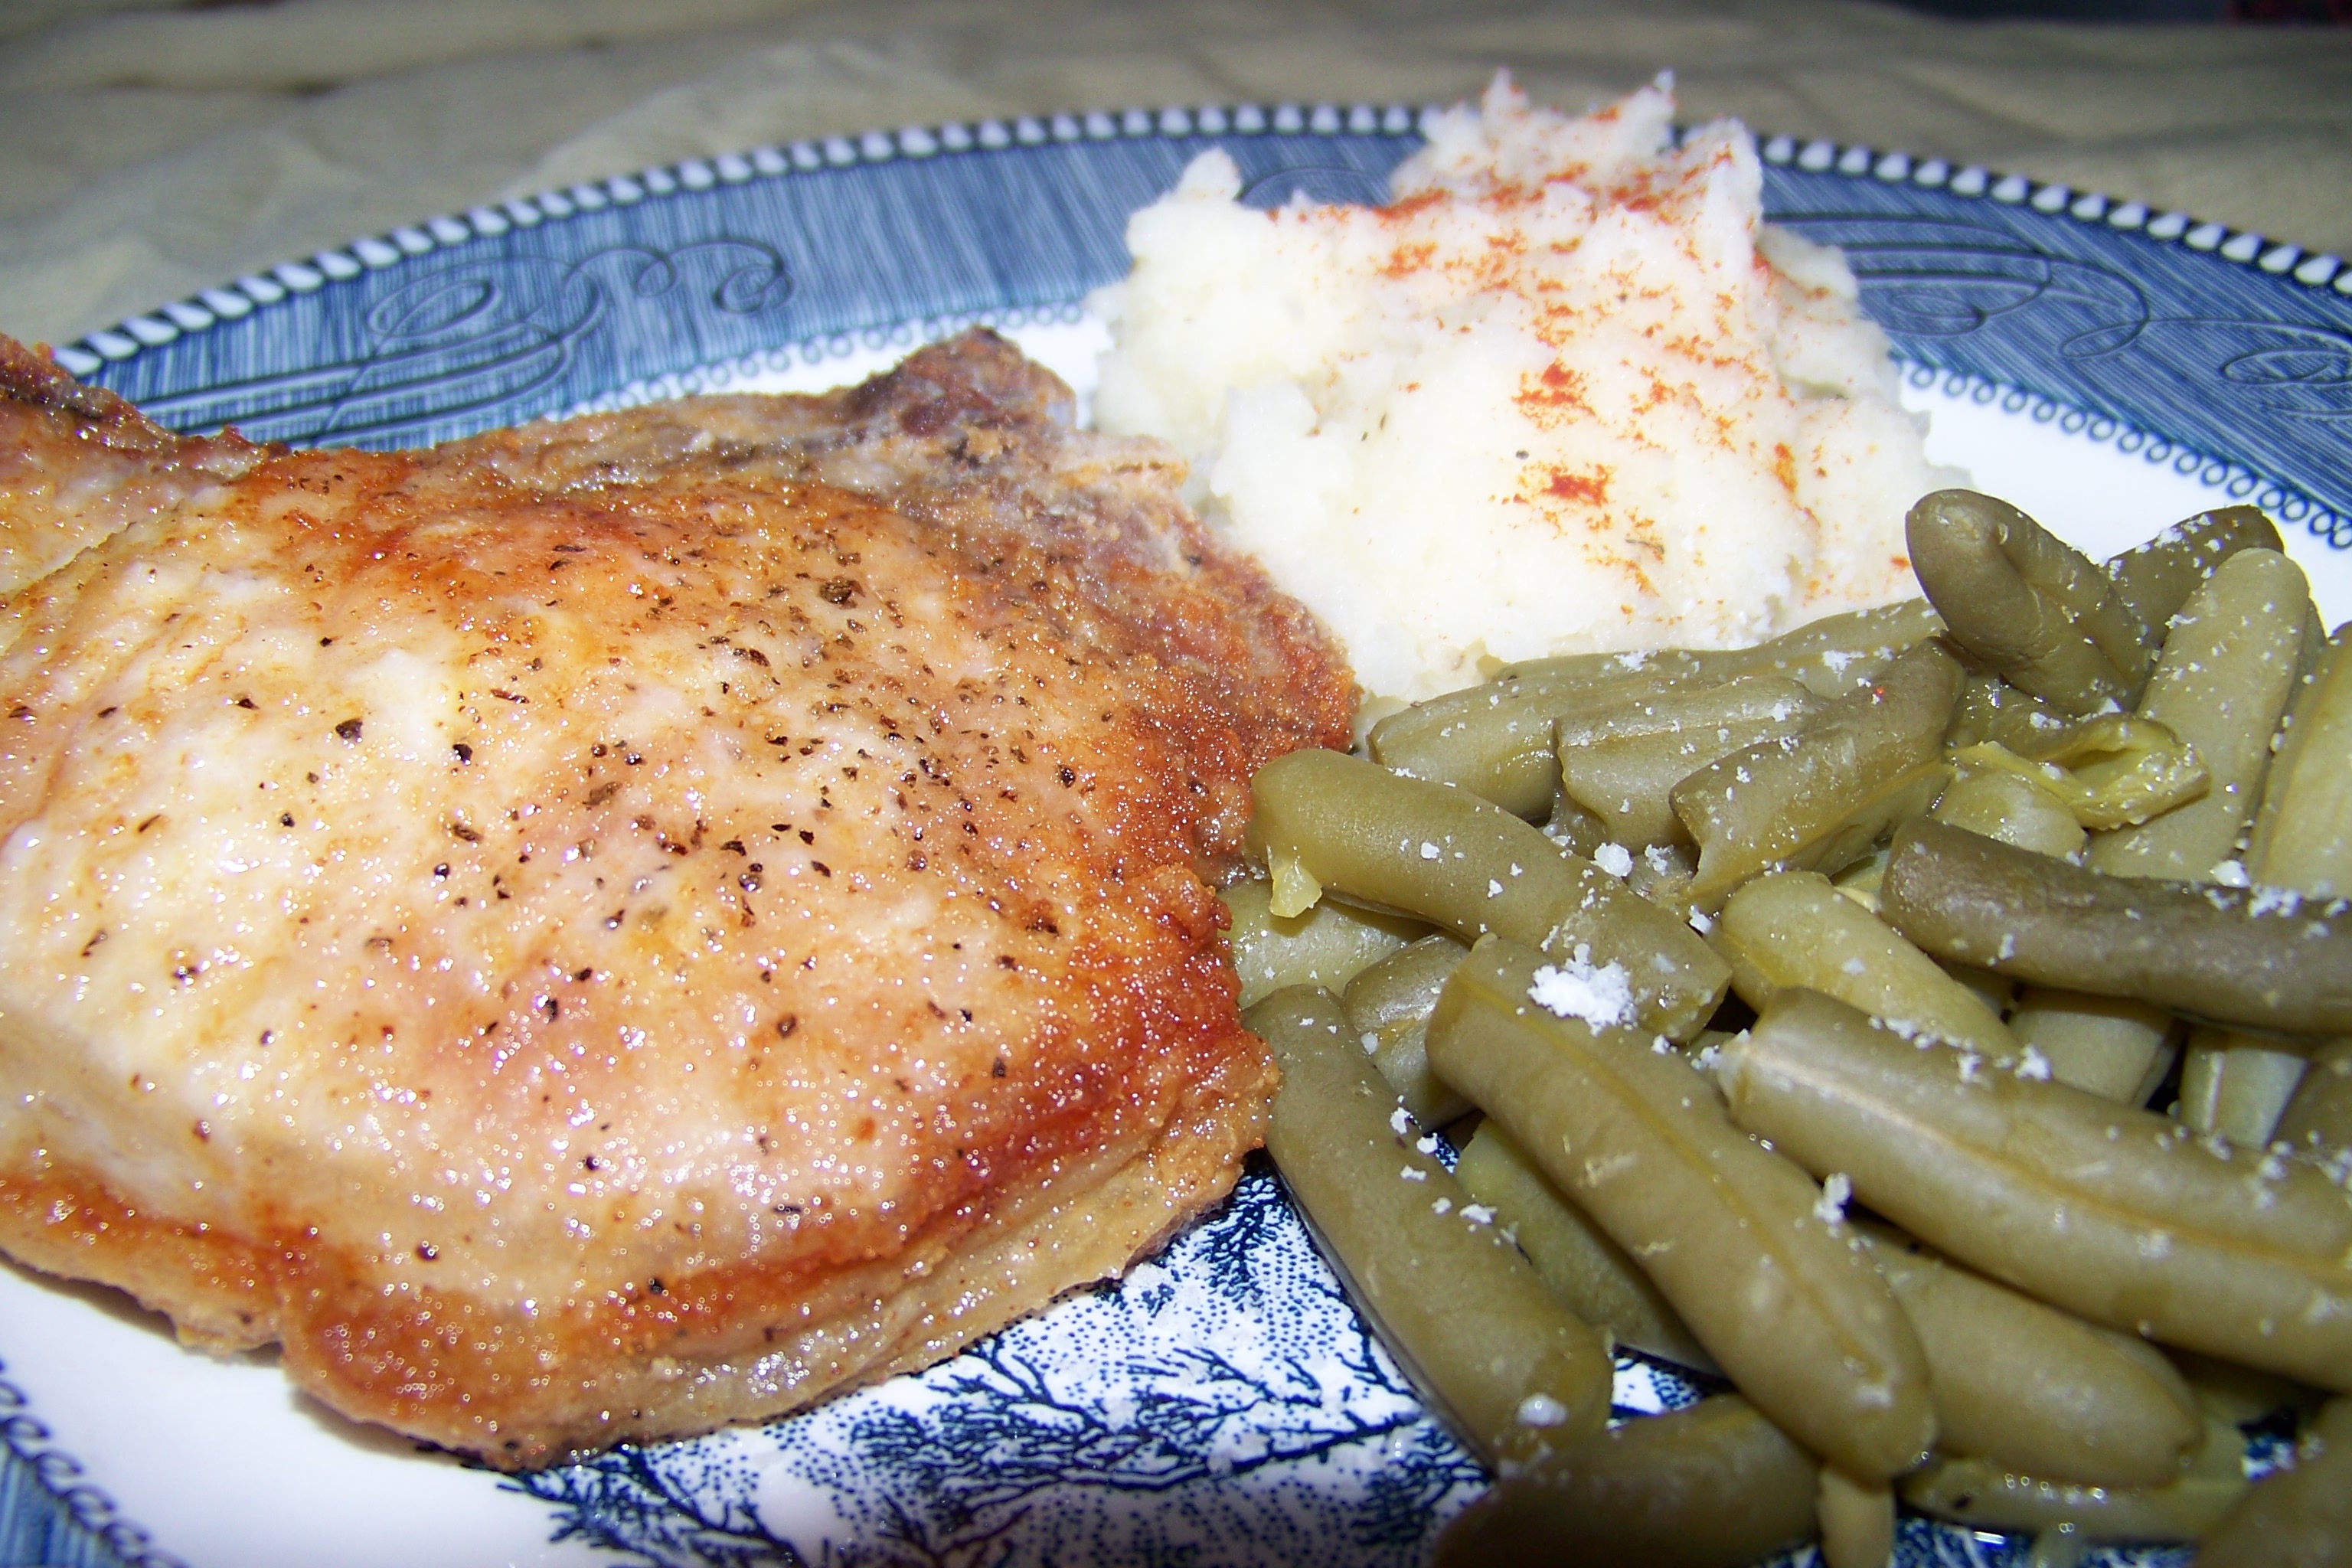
(153, 152)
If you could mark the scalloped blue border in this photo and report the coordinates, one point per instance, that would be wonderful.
(50, 1515)
(2314, 269)
(93, 353)
(2215, 349)
(2235, 480)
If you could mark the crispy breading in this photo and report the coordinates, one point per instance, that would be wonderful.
(606, 930)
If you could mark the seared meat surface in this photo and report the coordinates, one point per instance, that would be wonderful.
(79, 465)
(616, 927)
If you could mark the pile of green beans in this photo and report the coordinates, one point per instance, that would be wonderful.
(1936, 1021)
(1518, 1373)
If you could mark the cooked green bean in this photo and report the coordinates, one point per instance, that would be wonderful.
(1519, 1373)
(2236, 1087)
(2014, 808)
(2315, 650)
(1996, 992)
(1750, 1252)
(1791, 928)
(1841, 653)
(1830, 656)
(1649, 664)
(2319, 1119)
(1986, 1495)
(1496, 741)
(1662, 873)
(1388, 1004)
(1572, 670)
(2222, 684)
(2294, 1517)
(1860, 881)
(1815, 801)
(2119, 1216)
(2032, 1387)
(1857, 1521)
(1584, 1268)
(2257, 958)
(2304, 830)
(2034, 610)
(1325, 946)
(1992, 710)
(2154, 579)
(2112, 772)
(1620, 760)
(1447, 857)
(1572, 826)
(2109, 1046)
(1713, 1484)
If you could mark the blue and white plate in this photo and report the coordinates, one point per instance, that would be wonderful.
(2109, 368)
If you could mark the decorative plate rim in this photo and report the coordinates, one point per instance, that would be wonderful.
(63, 1477)
(28, 1439)
(232, 300)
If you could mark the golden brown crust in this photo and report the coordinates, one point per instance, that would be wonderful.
(78, 464)
(36, 381)
(969, 435)
(712, 1350)
(575, 958)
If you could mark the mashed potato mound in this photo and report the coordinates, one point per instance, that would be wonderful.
(1569, 391)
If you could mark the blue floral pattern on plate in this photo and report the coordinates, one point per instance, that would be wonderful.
(1222, 1405)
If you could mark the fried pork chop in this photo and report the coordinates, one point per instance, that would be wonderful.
(623, 926)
